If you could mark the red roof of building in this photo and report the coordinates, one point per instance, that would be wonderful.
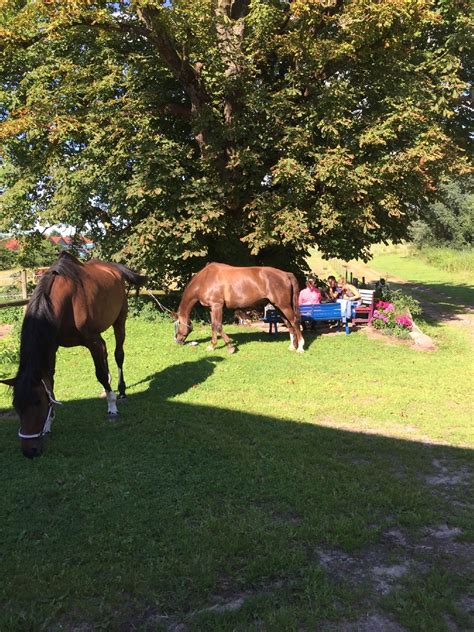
(14, 244)
(68, 240)
(57, 239)
(11, 244)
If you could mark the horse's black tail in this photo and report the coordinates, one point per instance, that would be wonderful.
(296, 293)
(129, 275)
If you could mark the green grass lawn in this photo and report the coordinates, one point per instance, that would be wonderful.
(259, 490)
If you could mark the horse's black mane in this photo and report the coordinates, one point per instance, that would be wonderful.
(39, 331)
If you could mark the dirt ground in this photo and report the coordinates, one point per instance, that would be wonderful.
(5, 330)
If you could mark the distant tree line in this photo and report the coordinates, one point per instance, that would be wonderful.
(450, 220)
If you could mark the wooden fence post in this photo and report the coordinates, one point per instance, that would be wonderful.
(24, 287)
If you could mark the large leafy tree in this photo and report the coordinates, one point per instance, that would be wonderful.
(232, 130)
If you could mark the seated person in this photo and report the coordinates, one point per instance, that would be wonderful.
(349, 297)
(334, 291)
(382, 291)
(311, 295)
(324, 289)
(350, 292)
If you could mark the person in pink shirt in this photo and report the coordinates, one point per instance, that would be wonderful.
(311, 294)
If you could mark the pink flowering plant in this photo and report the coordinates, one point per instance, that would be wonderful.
(392, 318)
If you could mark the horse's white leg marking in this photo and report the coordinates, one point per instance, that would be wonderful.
(292, 342)
(112, 403)
(301, 345)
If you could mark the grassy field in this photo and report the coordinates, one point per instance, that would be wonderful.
(260, 491)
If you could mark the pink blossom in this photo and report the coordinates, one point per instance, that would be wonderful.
(404, 321)
(385, 305)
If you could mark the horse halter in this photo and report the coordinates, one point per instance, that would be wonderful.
(176, 324)
(49, 417)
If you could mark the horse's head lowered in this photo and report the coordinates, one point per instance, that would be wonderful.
(182, 328)
(36, 414)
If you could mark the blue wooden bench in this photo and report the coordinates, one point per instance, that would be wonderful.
(309, 313)
(323, 311)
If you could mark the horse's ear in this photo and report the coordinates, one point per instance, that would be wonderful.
(9, 381)
(174, 316)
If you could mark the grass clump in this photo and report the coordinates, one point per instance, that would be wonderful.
(448, 259)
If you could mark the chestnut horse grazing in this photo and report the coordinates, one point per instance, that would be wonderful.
(71, 306)
(219, 285)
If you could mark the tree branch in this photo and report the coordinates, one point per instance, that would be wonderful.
(187, 74)
(230, 36)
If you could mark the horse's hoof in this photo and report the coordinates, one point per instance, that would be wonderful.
(112, 416)
(210, 348)
(231, 349)
(291, 348)
(300, 350)
(123, 399)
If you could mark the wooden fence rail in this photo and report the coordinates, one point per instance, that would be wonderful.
(18, 303)
(14, 287)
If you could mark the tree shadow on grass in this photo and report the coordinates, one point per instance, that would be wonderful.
(177, 508)
(459, 294)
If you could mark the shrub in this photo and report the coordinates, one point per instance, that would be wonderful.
(146, 309)
(10, 351)
(393, 316)
(11, 315)
(403, 302)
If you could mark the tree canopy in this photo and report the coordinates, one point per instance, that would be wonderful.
(241, 131)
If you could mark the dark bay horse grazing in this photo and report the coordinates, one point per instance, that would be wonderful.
(72, 305)
(219, 285)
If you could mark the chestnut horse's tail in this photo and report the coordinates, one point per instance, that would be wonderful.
(296, 292)
(129, 275)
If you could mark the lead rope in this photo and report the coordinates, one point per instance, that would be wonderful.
(162, 307)
(165, 309)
